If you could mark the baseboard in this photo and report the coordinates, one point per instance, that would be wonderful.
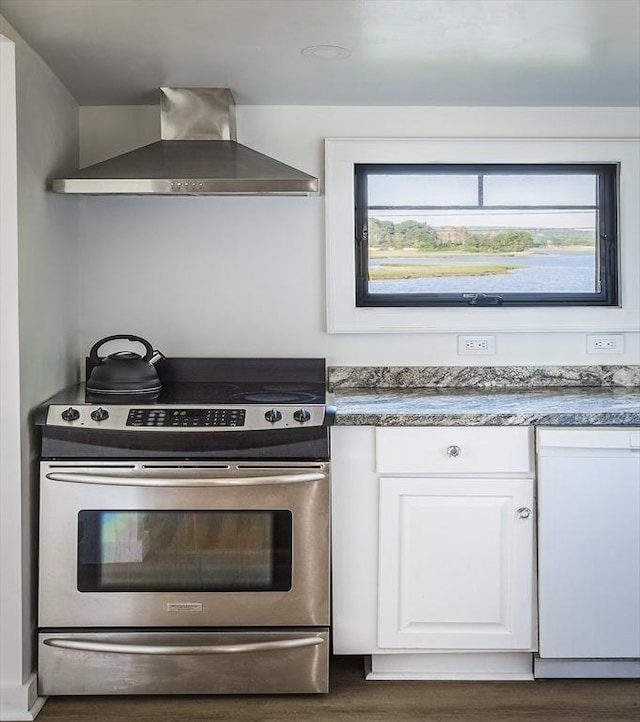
(586, 668)
(21, 703)
(514, 666)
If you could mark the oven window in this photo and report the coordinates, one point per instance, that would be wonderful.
(156, 551)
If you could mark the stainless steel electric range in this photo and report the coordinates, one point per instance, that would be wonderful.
(184, 535)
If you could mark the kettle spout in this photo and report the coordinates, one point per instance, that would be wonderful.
(157, 356)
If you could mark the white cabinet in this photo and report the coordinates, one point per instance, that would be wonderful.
(433, 550)
(456, 561)
(455, 538)
(453, 450)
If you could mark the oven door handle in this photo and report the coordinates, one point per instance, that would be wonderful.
(126, 478)
(165, 649)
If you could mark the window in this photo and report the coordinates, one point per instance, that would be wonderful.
(615, 162)
(491, 234)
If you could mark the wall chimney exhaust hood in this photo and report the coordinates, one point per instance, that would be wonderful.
(197, 155)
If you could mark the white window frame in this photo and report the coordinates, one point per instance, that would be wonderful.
(343, 316)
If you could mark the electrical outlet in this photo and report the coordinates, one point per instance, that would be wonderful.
(469, 345)
(611, 343)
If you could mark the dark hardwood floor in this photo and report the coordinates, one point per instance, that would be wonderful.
(352, 698)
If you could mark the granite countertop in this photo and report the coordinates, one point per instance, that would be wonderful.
(504, 407)
(514, 396)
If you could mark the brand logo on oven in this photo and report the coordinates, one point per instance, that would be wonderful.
(184, 607)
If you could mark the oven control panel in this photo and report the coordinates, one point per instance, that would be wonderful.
(189, 417)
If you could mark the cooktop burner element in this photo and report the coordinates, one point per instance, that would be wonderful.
(277, 397)
(171, 393)
(203, 393)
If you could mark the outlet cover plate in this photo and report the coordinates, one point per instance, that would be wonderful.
(476, 345)
(605, 343)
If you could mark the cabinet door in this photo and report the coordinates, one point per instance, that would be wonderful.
(456, 564)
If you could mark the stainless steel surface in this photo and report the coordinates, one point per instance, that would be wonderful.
(197, 114)
(454, 451)
(254, 418)
(282, 661)
(183, 184)
(128, 648)
(139, 475)
(61, 604)
(198, 155)
(194, 563)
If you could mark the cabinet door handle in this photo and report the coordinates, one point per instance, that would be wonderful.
(454, 451)
(524, 512)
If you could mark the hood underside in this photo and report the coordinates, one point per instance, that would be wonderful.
(198, 155)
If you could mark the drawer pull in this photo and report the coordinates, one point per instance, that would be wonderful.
(453, 451)
(88, 645)
(524, 512)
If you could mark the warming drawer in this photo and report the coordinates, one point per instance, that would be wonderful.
(256, 662)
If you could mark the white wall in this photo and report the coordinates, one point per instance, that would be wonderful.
(10, 459)
(40, 317)
(246, 276)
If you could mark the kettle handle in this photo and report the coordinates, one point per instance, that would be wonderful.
(96, 360)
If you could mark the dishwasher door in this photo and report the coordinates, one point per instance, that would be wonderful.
(589, 542)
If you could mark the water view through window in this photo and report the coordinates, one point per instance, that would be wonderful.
(450, 252)
(441, 232)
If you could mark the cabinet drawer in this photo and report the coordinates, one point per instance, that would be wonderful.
(453, 449)
(290, 661)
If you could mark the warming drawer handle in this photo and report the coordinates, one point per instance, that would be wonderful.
(129, 479)
(164, 649)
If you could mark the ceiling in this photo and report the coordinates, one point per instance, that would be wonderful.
(402, 52)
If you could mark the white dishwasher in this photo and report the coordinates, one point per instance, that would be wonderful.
(588, 552)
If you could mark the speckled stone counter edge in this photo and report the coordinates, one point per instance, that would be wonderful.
(488, 377)
(496, 419)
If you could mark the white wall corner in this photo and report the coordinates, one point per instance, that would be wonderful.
(38, 132)
(11, 672)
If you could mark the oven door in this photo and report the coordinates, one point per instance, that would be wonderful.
(179, 544)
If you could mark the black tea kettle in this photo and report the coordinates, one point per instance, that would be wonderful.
(124, 372)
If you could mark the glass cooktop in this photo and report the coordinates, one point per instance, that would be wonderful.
(179, 394)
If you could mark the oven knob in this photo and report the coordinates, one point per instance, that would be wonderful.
(100, 414)
(70, 414)
(273, 415)
(302, 415)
